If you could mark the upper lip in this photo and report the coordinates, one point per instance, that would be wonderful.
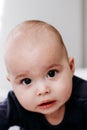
(45, 102)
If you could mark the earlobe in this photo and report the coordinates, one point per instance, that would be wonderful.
(72, 65)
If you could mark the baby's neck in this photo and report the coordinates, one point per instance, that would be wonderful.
(57, 117)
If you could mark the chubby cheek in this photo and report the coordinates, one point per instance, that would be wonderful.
(67, 93)
(25, 98)
(63, 90)
(66, 84)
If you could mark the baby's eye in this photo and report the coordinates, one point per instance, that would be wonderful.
(26, 81)
(51, 73)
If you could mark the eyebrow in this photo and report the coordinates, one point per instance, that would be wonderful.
(20, 76)
(54, 65)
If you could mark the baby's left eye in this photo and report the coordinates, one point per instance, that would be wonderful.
(52, 73)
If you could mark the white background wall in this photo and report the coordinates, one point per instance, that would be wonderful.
(85, 33)
(65, 15)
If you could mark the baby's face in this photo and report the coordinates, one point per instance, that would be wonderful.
(40, 74)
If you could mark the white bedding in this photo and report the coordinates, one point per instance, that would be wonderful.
(81, 73)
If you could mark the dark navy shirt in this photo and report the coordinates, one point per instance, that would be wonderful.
(75, 118)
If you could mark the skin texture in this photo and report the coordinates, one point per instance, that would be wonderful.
(39, 69)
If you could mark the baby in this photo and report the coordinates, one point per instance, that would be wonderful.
(46, 95)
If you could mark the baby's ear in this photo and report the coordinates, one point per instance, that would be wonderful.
(8, 78)
(71, 64)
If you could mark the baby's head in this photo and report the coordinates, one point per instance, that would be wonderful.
(38, 67)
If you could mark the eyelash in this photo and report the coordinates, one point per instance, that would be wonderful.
(52, 73)
(26, 81)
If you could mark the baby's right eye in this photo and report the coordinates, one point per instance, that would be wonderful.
(26, 81)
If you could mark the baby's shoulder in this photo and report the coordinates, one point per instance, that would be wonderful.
(79, 90)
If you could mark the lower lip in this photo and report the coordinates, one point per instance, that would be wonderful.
(48, 105)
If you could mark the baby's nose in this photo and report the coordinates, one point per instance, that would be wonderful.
(43, 89)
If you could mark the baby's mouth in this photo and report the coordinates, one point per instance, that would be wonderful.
(47, 104)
